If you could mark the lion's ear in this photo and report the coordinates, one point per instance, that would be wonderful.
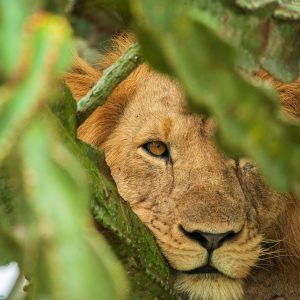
(81, 78)
(289, 94)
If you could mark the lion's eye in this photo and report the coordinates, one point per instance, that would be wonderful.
(157, 148)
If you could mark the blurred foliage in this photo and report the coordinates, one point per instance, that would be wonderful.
(255, 29)
(95, 22)
(49, 179)
(44, 223)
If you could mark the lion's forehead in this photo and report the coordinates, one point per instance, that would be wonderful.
(165, 118)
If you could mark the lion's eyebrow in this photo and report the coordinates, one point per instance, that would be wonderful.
(167, 125)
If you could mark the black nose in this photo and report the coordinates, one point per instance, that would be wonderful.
(209, 241)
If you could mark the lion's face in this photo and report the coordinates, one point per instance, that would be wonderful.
(191, 197)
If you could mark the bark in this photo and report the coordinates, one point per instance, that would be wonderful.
(108, 82)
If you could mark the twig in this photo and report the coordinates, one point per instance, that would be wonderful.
(111, 77)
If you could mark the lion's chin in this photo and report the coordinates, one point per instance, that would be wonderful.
(209, 287)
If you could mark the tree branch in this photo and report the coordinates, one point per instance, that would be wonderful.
(110, 79)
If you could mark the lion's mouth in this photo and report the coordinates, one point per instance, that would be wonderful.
(207, 269)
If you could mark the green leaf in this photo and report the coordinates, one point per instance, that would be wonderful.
(68, 260)
(48, 44)
(260, 39)
(65, 109)
(12, 18)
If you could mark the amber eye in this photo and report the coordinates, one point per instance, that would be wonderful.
(157, 148)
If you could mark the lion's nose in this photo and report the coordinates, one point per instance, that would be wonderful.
(209, 241)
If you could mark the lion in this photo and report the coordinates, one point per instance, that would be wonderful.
(224, 231)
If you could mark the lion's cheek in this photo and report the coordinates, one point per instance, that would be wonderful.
(127, 187)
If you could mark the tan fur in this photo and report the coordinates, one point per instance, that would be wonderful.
(288, 92)
(205, 287)
(198, 188)
(82, 77)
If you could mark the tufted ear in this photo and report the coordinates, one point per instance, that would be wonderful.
(81, 78)
(289, 93)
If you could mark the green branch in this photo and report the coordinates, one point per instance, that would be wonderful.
(111, 77)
